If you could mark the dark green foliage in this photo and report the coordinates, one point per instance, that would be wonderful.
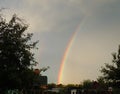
(16, 57)
(52, 85)
(87, 84)
(102, 84)
(111, 72)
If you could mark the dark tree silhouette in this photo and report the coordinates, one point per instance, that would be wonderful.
(111, 72)
(16, 58)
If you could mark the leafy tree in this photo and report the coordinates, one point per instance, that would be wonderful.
(87, 84)
(111, 72)
(16, 58)
(52, 85)
(101, 81)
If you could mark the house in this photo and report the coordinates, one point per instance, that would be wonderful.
(76, 91)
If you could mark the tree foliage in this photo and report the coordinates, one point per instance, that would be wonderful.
(87, 84)
(111, 72)
(16, 58)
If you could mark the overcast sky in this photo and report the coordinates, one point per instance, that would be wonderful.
(53, 22)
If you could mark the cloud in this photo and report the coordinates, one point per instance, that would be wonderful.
(50, 15)
(47, 15)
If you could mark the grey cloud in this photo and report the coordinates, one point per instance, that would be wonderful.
(104, 17)
(52, 14)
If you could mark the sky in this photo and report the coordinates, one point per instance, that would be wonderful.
(89, 29)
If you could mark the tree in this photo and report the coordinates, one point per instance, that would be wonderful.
(16, 58)
(101, 81)
(87, 84)
(111, 72)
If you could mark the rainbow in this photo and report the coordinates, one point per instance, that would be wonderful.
(68, 47)
(66, 53)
